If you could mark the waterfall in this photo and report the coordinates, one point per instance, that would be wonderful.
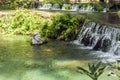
(75, 7)
(100, 37)
(88, 8)
(46, 6)
(56, 6)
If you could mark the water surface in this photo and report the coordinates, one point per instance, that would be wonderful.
(55, 60)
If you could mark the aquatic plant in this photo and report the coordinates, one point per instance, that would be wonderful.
(94, 72)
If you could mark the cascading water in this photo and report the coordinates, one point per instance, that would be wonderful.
(75, 7)
(46, 6)
(103, 39)
(87, 8)
(56, 7)
(65, 6)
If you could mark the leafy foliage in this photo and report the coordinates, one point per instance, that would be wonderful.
(58, 26)
(22, 22)
(94, 70)
(54, 1)
(68, 7)
(64, 26)
(13, 4)
(99, 7)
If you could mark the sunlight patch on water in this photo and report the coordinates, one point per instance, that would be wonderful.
(69, 63)
(14, 37)
(36, 75)
(8, 78)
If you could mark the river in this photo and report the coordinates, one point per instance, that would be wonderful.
(56, 60)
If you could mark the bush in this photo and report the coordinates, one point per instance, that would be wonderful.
(54, 1)
(99, 7)
(13, 4)
(56, 26)
(68, 7)
(64, 27)
(22, 22)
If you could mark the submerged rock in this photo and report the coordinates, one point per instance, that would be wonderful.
(37, 40)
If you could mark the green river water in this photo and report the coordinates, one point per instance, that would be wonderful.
(55, 60)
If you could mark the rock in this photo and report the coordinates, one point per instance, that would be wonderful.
(103, 44)
(86, 40)
(106, 44)
(98, 44)
(37, 40)
(117, 52)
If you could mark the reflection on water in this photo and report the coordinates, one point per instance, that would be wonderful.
(105, 18)
(53, 61)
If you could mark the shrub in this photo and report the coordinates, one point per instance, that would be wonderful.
(58, 26)
(22, 22)
(13, 4)
(99, 7)
(68, 7)
(54, 1)
(64, 26)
